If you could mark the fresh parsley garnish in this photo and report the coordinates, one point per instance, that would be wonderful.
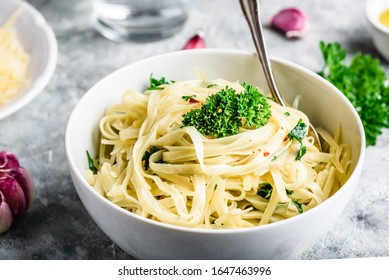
(289, 192)
(188, 97)
(155, 83)
(298, 205)
(91, 163)
(226, 111)
(298, 133)
(363, 82)
(253, 107)
(287, 114)
(147, 155)
(265, 190)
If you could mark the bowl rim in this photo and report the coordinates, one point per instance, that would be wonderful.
(36, 85)
(373, 18)
(73, 167)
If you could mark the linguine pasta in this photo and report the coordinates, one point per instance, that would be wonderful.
(244, 180)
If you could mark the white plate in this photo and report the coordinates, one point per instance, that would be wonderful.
(39, 41)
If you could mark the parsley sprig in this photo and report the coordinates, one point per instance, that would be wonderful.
(363, 82)
(147, 155)
(266, 190)
(225, 112)
(156, 83)
(298, 133)
(188, 97)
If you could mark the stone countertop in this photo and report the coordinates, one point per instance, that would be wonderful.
(58, 226)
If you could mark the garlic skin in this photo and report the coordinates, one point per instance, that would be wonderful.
(5, 215)
(17, 190)
(13, 195)
(8, 161)
(292, 22)
(195, 42)
(24, 178)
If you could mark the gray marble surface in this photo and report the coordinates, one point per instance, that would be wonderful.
(58, 227)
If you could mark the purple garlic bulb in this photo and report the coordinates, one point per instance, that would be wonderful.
(17, 190)
(195, 42)
(292, 22)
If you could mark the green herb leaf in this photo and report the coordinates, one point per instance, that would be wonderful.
(289, 192)
(225, 112)
(363, 82)
(298, 205)
(187, 97)
(155, 83)
(287, 114)
(298, 133)
(265, 190)
(253, 107)
(302, 151)
(217, 116)
(147, 155)
(91, 163)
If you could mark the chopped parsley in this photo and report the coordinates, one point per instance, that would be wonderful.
(225, 112)
(298, 133)
(298, 205)
(265, 190)
(364, 82)
(91, 163)
(147, 155)
(287, 114)
(289, 192)
(155, 83)
(187, 97)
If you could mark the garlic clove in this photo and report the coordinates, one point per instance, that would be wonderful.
(8, 160)
(196, 42)
(17, 190)
(24, 178)
(5, 215)
(13, 195)
(292, 22)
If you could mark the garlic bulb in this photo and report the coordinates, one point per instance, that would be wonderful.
(17, 190)
(292, 22)
(5, 215)
(195, 42)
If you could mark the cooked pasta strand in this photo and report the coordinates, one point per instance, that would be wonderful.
(154, 167)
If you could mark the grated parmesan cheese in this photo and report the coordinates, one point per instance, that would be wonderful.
(13, 62)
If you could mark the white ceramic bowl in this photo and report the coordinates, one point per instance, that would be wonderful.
(146, 239)
(380, 32)
(39, 42)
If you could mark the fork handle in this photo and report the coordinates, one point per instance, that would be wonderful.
(250, 10)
